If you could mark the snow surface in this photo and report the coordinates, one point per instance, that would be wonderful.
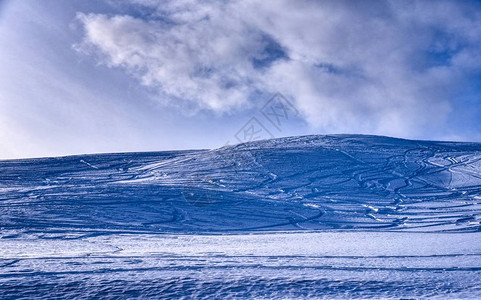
(343, 216)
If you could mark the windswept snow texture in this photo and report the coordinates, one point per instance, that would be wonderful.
(316, 216)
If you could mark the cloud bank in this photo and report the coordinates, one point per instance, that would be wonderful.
(393, 68)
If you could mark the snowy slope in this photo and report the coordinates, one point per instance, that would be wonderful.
(312, 182)
(116, 221)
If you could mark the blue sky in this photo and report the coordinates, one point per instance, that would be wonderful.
(140, 75)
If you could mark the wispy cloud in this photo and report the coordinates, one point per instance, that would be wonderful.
(380, 67)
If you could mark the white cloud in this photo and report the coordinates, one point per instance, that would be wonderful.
(378, 67)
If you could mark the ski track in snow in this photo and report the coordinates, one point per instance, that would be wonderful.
(252, 220)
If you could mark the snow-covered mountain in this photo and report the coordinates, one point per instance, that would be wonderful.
(311, 182)
(82, 218)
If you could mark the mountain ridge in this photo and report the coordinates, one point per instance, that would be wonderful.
(352, 182)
